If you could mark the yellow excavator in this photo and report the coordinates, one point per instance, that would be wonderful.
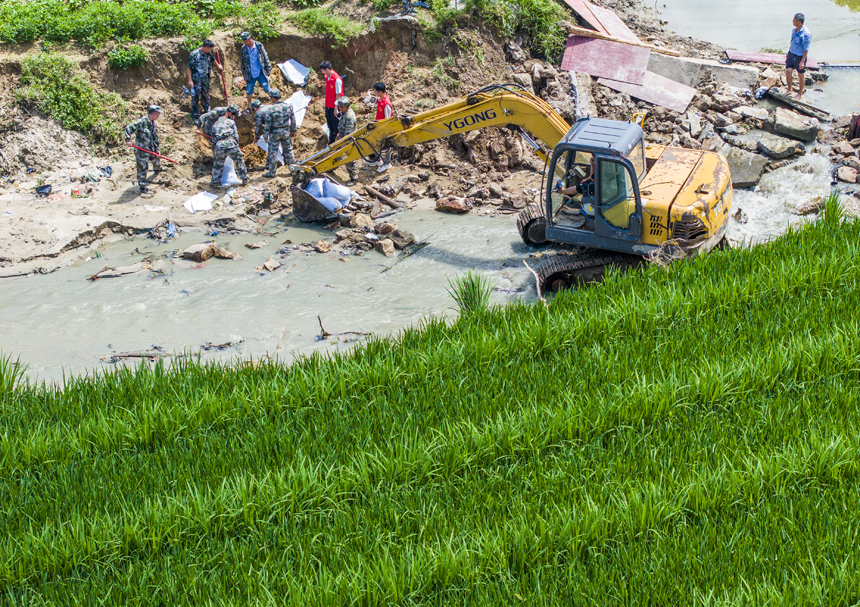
(615, 198)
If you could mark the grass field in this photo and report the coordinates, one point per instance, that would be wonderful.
(681, 436)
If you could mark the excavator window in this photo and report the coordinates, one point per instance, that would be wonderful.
(571, 168)
(617, 196)
(636, 156)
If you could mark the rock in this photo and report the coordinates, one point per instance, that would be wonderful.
(514, 52)
(724, 103)
(808, 208)
(495, 190)
(524, 80)
(759, 113)
(386, 247)
(721, 121)
(199, 252)
(769, 73)
(225, 254)
(794, 125)
(385, 228)
(769, 83)
(257, 245)
(695, 124)
(322, 246)
(360, 220)
(271, 265)
(746, 167)
(402, 238)
(452, 205)
(548, 72)
(731, 129)
(536, 77)
(478, 192)
(843, 147)
(778, 147)
(424, 175)
(843, 122)
(854, 163)
(847, 174)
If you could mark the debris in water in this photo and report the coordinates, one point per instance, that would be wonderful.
(230, 344)
(257, 245)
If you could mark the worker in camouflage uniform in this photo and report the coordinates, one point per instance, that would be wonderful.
(256, 66)
(146, 135)
(260, 118)
(344, 128)
(199, 68)
(226, 139)
(279, 126)
(208, 120)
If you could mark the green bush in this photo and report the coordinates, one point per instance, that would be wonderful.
(306, 3)
(55, 86)
(261, 20)
(320, 22)
(124, 57)
(537, 19)
(471, 291)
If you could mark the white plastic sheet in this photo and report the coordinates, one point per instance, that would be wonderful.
(300, 103)
(201, 201)
(263, 145)
(295, 72)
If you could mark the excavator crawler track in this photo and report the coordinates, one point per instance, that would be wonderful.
(531, 224)
(565, 270)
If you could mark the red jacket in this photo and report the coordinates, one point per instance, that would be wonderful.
(332, 84)
(380, 107)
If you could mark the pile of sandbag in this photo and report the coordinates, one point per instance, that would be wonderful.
(332, 196)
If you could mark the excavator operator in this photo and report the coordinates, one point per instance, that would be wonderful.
(585, 187)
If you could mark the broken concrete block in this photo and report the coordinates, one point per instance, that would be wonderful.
(452, 205)
(846, 174)
(689, 71)
(199, 252)
(257, 245)
(759, 113)
(402, 238)
(360, 220)
(386, 247)
(524, 80)
(778, 147)
(495, 190)
(271, 265)
(225, 254)
(385, 228)
(746, 167)
(769, 73)
(321, 246)
(844, 148)
(794, 125)
(695, 124)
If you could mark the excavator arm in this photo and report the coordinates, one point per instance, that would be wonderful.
(495, 105)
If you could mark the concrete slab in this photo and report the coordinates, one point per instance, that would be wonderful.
(605, 59)
(690, 71)
(583, 8)
(656, 89)
(770, 58)
(612, 24)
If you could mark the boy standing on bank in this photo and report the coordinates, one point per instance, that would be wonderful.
(798, 52)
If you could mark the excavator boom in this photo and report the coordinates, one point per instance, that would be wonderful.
(496, 105)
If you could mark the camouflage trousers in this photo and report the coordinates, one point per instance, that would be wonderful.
(352, 171)
(286, 144)
(222, 152)
(200, 95)
(141, 163)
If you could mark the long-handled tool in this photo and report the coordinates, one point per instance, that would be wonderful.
(204, 134)
(223, 81)
(150, 152)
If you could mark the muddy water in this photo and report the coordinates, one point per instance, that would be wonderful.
(62, 322)
(766, 24)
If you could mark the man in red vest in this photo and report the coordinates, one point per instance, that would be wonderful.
(384, 109)
(333, 91)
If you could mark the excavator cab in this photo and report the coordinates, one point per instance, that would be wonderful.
(593, 197)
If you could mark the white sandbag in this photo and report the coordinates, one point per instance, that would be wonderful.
(228, 175)
(299, 102)
(333, 190)
(332, 204)
(315, 188)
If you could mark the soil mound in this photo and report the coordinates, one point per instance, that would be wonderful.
(39, 144)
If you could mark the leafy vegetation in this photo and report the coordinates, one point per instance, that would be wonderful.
(54, 85)
(685, 435)
(320, 22)
(471, 291)
(537, 19)
(124, 57)
(95, 23)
